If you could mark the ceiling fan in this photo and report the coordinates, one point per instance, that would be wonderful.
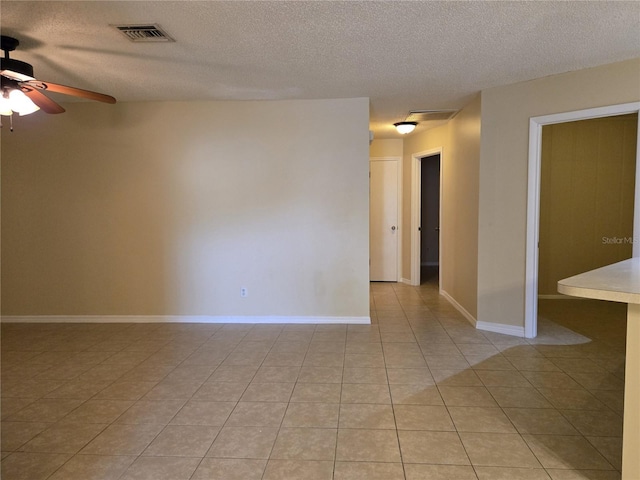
(23, 94)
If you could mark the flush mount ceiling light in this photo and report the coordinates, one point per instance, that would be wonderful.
(405, 127)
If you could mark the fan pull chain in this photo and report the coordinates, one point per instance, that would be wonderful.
(10, 122)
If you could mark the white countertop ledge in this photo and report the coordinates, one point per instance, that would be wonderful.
(618, 282)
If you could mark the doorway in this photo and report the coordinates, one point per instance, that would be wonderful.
(533, 199)
(426, 195)
(430, 219)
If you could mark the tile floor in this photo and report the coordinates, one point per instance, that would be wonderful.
(419, 394)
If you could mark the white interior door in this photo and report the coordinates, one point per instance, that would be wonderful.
(383, 221)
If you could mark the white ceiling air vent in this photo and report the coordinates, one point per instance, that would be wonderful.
(425, 115)
(144, 33)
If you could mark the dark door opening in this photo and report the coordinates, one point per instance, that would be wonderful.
(430, 219)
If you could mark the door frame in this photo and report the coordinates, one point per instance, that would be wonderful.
(416, 197)
(533, 198)
(399, 170)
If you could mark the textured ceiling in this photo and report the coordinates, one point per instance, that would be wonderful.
(412, 55)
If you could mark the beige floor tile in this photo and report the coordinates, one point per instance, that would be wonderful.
(423, 417)
(125, 391)
(45, 410)
(365, 375)
(204, 413)
(229, 469)
(432, 447)
(297, 469)
(285, 358)
(31, 466)
(583, 474)
(257, 414)
(597, 423)
(159, 412)
(305, 444)
(410, 376)
(122, 440)
(64, 438)
(98, 411)
(408, 394)
(277, 374)
(518, 397)
(566, 452)
(182, 441)
(375, 360)
(94, 467)
(610, 448)
(317, 392)
(404, 360)
(323, 359)
(481, 419)
(439, 472)
(504, 473)
(498, 450)
(320, 415)
(482, 362)
(16, 434)
(234, 374)
(268, 392)
(320, 375)
(161, 468)
(368, 471)
(551, 380)
(361, 445)
(244, 442)
(456, 378)
(536, 364)
(502, 378)
(572, 398)
(365, 393)
(446, 362)
(220, 392)
(366, 415)
(466, 396)
(545, 421)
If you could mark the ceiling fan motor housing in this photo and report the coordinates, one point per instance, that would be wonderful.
(16, 66)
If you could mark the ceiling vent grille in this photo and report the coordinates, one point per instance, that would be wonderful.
(144, 33)
(425, 115)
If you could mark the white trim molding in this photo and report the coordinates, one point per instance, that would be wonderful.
(533, 199)
(264, 319)
(460, 308)
(512, 330)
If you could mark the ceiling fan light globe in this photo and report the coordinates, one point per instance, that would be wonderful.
(405, 127)
(22, 104)
(5, 106)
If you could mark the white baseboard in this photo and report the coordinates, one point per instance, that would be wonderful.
(406, 280)
(181, 319)
(512, 330)
(459, 307)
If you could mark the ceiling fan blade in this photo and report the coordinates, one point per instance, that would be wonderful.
(73, 91)
(41, 100)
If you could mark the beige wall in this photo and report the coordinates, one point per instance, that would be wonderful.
(587, 189)
(460, 142)
(386, 147)
(169, 208)
(503, 174)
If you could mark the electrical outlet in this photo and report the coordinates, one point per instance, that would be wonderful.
(244, 292)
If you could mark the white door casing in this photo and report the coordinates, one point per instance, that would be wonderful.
(533, 199)
(384, 218)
